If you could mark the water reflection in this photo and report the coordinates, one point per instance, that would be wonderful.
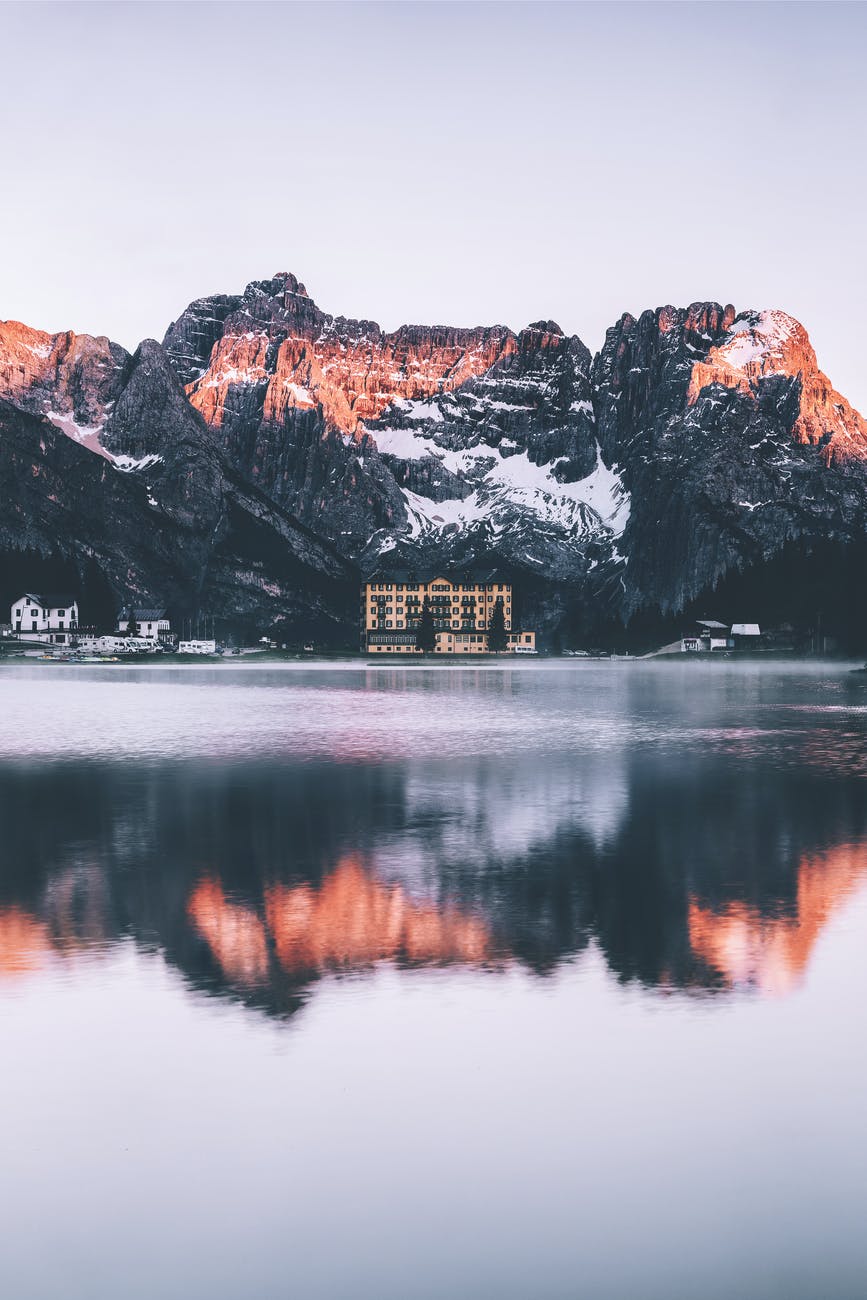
(771, 952)
(705, 874)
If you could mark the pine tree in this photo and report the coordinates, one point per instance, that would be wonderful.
(498, 637)
(426, 635)
(132, 626)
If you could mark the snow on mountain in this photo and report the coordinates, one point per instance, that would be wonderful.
(503, 481)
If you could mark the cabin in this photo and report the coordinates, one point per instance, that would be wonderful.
(51, 617)
(708, 635)
(746, 636)
(153, 624)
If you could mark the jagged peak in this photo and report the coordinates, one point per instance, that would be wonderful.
(544, 327)
(281, 284)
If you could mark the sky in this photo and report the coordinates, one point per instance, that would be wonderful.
(437, 163)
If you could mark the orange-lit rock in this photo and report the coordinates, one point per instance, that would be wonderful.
(25, 943)
(772, 343)
(772, 953)
(69, 377)
(351, 369)
(353, 920)
(234, 933)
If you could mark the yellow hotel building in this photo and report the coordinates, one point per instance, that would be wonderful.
(462, 604)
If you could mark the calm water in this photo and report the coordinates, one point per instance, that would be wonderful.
(529, 983)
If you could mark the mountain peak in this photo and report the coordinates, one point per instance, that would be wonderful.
(760, 344)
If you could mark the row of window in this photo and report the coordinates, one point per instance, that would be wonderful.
(381, 605)
(61, 613)
(439, 586)
(439, 625)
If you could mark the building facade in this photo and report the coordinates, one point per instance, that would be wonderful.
(50, 617)
(462, 605)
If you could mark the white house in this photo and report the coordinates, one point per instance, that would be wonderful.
(197, 647)
(150, 623)
(49, 617)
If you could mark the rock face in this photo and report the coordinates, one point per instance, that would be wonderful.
(759, 344)
(731, 443)
(432, 442)
(266, 448)
(142, 491)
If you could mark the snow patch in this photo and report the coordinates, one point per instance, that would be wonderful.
(84, 434)
(128, 463)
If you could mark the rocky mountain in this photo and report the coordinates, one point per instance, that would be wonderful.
(731, 443)
(267, 450)
(106, 463)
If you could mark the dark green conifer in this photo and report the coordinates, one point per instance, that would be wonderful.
(426, 636)
(498, 637)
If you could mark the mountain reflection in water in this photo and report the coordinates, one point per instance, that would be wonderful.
(707, 874)
(348, 922)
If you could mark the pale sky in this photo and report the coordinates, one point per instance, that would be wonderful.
(437, 163)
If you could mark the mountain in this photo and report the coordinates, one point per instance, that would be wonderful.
(266, 452)
(105, 463)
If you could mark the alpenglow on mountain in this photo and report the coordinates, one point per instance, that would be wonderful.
(266, 453)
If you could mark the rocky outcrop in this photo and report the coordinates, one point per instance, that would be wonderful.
(770, 343)
(276, 348)
(73, 379)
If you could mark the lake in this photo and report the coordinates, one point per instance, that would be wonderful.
(526, 981)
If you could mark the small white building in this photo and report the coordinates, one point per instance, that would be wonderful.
(197, 647)
(150, 623)
(48, 617)
(709, 635)
(750, 631)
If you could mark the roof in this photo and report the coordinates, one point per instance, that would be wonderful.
(746, 629)
(446, 572)
(712, 623)
(146, 615)
(51, 599)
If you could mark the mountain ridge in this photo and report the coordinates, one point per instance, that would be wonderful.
(696, 443)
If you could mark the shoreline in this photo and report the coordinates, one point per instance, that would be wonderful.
(511, 663)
